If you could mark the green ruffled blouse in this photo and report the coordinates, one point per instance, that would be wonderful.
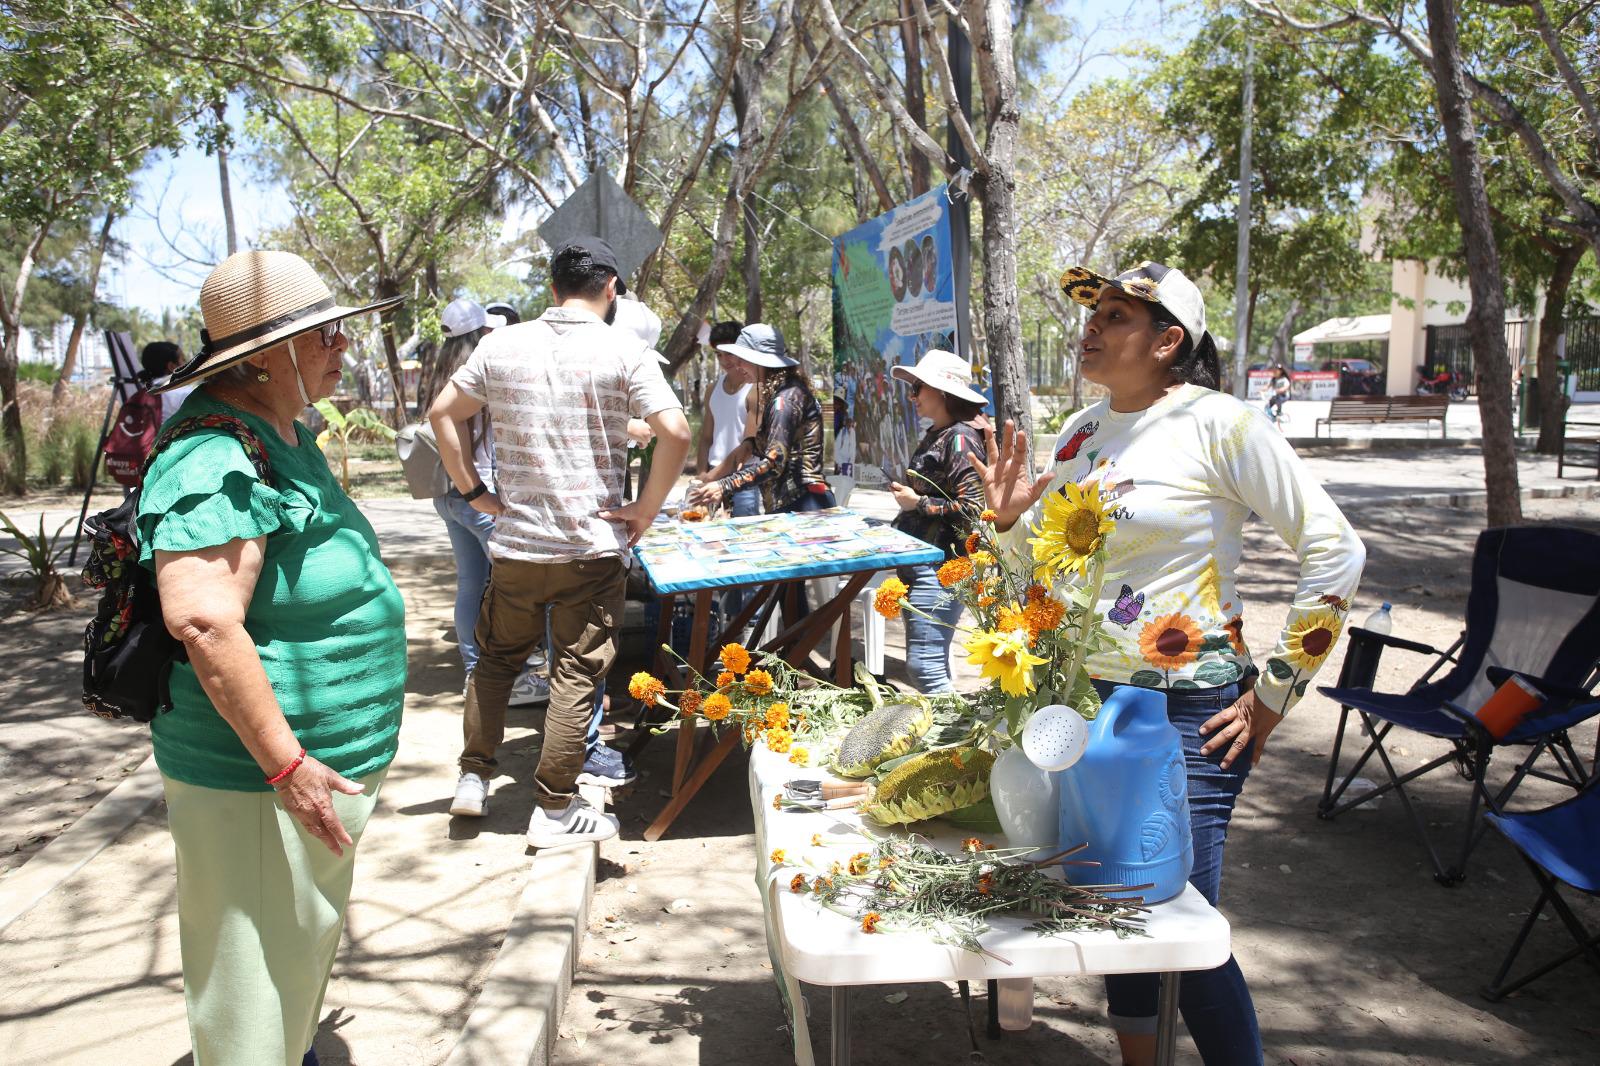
(326, 617)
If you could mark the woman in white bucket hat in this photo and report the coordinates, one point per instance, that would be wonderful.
(941, 497)
(286, 714)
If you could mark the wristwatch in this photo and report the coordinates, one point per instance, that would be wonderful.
(475, 493)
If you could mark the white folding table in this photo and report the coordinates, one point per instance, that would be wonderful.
(810, 943)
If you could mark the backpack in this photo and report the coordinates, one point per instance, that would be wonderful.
(127, 651)
(420, 462)
(133, 437)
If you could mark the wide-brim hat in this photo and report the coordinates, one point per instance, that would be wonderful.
(1153, 283)
(945, 371)
(254, 300)
(762, 345)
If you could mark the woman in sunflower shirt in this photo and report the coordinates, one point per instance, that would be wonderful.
(939, 506)
(1163, 474)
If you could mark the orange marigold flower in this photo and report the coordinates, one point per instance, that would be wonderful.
(955, 571)
(986, 600)
(985, 884)
(798, 884)
(645, 689)
(972, 845)
(820, 884)
(778, 740)
(890, 593)
(777, 802)
(777, 856)
(885, 862)
(735, 658)
(716, 707)
(869, 921)
(1037, 592)
(725, 679)
(1012, 617)
(749, 733)
(834, 869)
(758, 682)
(859, 863)
(973, 540)
(689, 705)
(1043, 615)
(988, 515)
(778, 716)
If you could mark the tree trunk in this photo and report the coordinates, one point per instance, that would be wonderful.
(997, 189)
(1278, 351)
(387, 287)
(16, 445)
(69, 361)
(224, 185)
(1552, 398)
(916, 100)
(1486, 320)
(747, 111)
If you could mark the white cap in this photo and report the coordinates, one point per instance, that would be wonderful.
(945, 371)
(464, 316)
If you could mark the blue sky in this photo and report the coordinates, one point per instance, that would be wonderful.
(178, 202)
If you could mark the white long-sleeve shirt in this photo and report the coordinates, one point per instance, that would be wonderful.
(1183, 475)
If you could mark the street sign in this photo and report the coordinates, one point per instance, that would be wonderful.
(599, 207)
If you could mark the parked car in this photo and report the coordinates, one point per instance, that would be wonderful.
(1357, 377)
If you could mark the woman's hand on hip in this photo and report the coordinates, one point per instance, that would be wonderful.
(1008, 486)
(1235, 725)
(308, 797)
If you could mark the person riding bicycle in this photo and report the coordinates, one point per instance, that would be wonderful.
(1277, 393)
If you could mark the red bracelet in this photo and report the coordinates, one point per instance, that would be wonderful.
(281, 775)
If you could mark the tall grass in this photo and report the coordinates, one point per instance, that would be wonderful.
(61, 438)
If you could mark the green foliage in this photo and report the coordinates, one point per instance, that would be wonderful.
(346, 429)
(40, 554)
(43, 373)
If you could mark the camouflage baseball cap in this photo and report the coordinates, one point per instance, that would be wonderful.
(1151, 282)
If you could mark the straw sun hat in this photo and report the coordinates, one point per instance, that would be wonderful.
(254, 300)
(945, 371)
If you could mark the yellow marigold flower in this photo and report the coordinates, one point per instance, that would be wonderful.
(1075, 526)
(799, 755)
(778, 716)
(778, 740)
(645, 689)
(869, 921)
(798, 884)
(885, 862)
(859, 863)
(1004, 655)
(725, 679)
(799, 722)
(734, 657)
(1012, 617)
(716, 707)
(689, 705)
(988, 515)
(955, 571)
(749, 733)
(982, 558)
(777, 802)
(758, 682)
(890, 593)
(816, 840)
(777, 856)
(973, 540)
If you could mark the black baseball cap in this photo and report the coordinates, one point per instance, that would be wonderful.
(597, 251)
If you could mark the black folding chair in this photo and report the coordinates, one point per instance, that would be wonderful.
(1533, 610)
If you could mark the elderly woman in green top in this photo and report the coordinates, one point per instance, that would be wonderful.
(286, 715)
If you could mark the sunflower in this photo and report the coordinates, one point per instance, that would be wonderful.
(1075, 526)
(1170, 642)
(955, 571)
(1005, 656)
(735, 658)
(1235, 628)
(778, 716)
(725, 679)
(716, 707)
(1311, 638)
(778, 740)
(890, 593)
(758, 682)
(645, 689)
(690, 703)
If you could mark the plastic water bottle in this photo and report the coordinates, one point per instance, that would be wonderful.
(1380, 622)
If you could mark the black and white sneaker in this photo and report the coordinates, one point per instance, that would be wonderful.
(578, 823)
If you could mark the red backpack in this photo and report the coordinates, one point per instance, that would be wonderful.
(133, 437)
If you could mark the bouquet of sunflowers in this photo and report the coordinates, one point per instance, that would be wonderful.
(1031, 622)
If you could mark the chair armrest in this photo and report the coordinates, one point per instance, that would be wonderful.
(1552, 690)
(1357, 633)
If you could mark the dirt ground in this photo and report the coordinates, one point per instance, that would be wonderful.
(1355, 955)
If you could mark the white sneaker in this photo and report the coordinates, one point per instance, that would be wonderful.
(472, 797)
(579, 822)
(529, 691)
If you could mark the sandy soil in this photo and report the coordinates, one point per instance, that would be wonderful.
(1354, 954)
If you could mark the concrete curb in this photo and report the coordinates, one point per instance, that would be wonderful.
(1470, 499)
(87, 837)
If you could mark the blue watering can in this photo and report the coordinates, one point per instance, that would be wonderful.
(1128, 798)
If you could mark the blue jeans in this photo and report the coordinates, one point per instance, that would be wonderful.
(928, 641)
(746, 501)
(469, 531)
(1215, 1004)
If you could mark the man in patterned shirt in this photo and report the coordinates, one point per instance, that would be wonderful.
(560, 390)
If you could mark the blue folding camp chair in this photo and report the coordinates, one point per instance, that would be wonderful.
(1533, 610)
(1561, 845)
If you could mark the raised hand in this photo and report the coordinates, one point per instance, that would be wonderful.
(1007, 485)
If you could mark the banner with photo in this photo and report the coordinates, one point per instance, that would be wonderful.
(893, 300)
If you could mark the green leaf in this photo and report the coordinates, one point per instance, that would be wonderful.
(330, 414)
(1215, 675)
(1147, 679)
(1184, 684)
(1216, 642)
(1280, 669)
(1300, 689)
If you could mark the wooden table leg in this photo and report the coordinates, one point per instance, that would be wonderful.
(702, 773)
(697, 659)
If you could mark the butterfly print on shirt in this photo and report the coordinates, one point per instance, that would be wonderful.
(1126, 610)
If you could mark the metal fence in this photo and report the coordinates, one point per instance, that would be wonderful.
(1450, 348)
(1583, 351)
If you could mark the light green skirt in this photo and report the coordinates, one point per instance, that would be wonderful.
(261, 905)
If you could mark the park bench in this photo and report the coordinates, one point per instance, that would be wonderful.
(1587, 433)
(1383, 409)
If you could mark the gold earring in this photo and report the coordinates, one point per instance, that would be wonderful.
(263, 377)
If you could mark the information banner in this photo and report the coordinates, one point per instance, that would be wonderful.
(1303, 384)
(893, 300)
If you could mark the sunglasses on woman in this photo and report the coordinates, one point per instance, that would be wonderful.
(330, 331)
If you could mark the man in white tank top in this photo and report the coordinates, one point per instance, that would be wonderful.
(729, 406)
